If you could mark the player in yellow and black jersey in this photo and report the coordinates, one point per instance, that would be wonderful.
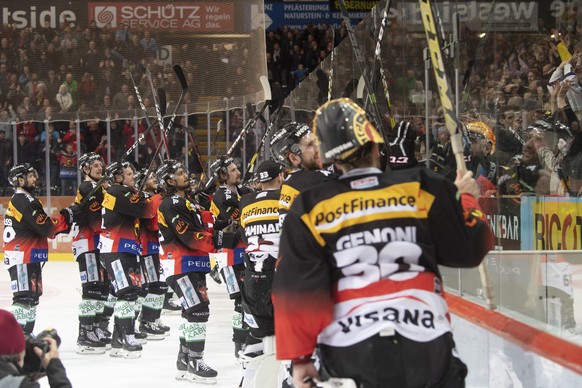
(260, 224)
(359, 258)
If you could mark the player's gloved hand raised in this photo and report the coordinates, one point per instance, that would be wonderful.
(222, 239)
(72, 214)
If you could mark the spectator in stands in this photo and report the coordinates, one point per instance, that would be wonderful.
(70, 137)
(87, 89)
(5, 159)
(67, 169)
(64, 99)
(149, 45)
(120, 98)
(26, 150)
(72, 87)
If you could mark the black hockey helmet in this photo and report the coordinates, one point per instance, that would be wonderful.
(220, 165)
(342, 129)
(287, 140)
(87, 160)
(20, 171)
(140, 176)
(116, 168)
(166, 171)
(402, 146)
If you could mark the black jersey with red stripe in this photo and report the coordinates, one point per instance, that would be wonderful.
(149, 229)
(88, 229)
(122, 210)
(185, 242)
(359, 255)
(26, 229)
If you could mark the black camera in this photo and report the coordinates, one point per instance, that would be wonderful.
(32, 363)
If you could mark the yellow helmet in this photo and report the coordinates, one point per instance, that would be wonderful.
(478, 130)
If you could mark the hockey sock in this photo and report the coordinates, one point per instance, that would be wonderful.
(30, 320)
(99, 306)
(20, 312)
(152, 307)
(87, 311)
(124, 316)
(239, 331)
(109, 306)
(137, 306)
(195, 336)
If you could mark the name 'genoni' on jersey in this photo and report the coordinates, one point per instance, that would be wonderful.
(375, 236)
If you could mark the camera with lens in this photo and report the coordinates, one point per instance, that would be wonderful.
(32, 363)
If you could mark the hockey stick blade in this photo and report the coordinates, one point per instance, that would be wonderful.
(266, 87)
(181, 76)
(360, 89)
(163, 101)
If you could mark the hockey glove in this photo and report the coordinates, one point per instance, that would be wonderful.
(72, 214)
(222, 239)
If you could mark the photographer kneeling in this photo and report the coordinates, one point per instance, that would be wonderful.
(12, 352)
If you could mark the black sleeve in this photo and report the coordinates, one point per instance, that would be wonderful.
(37, 220)
(57, 376)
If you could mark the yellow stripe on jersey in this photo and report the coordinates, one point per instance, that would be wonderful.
(109, 202)
(214, 210)
(12, 212)
(404, 200)
(161, 219)
(288, 195)
(266, 210)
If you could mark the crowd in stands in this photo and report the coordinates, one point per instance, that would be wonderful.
(47, 72)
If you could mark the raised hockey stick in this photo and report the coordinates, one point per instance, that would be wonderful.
(378, 62)
(252, 165)
(376, 115)
(332, 56)
(157, 103)
(451, 120)
(267, 90)
(268, 97)
(125, 64)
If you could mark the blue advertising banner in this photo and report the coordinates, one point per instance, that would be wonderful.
(299, 14)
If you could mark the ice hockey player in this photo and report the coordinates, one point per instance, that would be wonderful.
(154, 288)
(26, 229)
(295, 147)
(120, 248)
(95, 283)
(185, 245)
(225, 209)
(260, 223)
(358, 271)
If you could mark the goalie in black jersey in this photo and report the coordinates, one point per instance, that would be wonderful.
(358, 272)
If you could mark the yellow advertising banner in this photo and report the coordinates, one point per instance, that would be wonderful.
(551, 223)
(59, 247)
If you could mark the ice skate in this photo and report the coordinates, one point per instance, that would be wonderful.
(125, 345)
(200, 372)
(88, 343)
(153, 331)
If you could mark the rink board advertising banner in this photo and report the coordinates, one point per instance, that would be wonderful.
(551, 223)
(504, 216)
(208, 17)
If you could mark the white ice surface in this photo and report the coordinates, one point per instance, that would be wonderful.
(157, 365)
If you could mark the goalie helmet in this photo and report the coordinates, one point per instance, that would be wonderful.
(20, 171)
(342, 129)
(287, 140)
(479, 131)
(166, 171)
